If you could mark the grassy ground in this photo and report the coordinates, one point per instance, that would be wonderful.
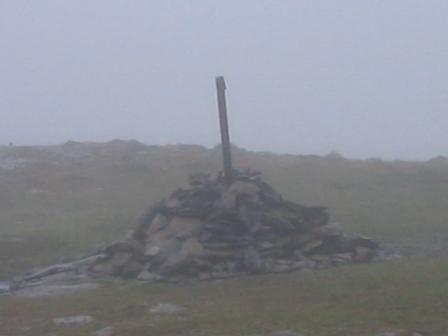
(354, 300)
(48, 212)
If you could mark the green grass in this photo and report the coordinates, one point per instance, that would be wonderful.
(71, 210)
(352, 300)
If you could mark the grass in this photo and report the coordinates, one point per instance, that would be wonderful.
(48, 212)
(351, 300)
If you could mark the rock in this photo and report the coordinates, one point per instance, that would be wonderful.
(108, 331)
(285, 333)
(166, 309)
(48, 271)
(167, 248)
(90, 260)
(123, 246)
(130, 235)
(152, 251)
(266, 245)
(48, 290)
(4, 288)
(330, 229)
(343, 256)
(73, 321)
(158, 223)
(184, 258)
(131, 269)
(120, 259)
(252, 260)
(105, 268)
(362, 254)
(227, 201)
(147, 276)
(281, 266)
(312, 245)
(178, 227)
(205, 276)
(244, 188)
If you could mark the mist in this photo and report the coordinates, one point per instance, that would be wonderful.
(366, 78)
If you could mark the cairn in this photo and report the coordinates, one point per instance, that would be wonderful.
(209, 229)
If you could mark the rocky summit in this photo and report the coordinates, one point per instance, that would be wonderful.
(209, 229)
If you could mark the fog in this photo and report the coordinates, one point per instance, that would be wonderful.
(367, 78)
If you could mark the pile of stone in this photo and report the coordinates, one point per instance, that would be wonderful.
(211, 229)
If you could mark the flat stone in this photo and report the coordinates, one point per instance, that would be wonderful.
(149, 277)
(123, 246)
(343, 256)
(73, 321)
(227, 201)
(108, 331)
(362, 254)
(252, 260)
(184, 257)
(120, 259)
(53, 290)
(89, 260)
(132, 269)
(266, 245)
(158, 223)
(311, 246)
(244, 188)
(103, 268)
(166, 309)
(4, 287)
(330, 229)
(152, 251)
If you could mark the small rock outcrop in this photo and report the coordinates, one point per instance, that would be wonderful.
(208, 229)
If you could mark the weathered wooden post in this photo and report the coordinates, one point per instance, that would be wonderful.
(224, 126)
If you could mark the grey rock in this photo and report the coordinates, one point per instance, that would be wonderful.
(123, 246)
(253, 260)
(40, 291)
(227, 201)
(330, 229)
(131, 269)
(108, 331)
(120, 259)
(149, 277)
(152, 251)
(244, 188)
(89, 260)
(266, 245)
(166, 309)
(73, 321)
(363, 254)
(158, 223)
(4, 287)
(190, 250)
(309, 247)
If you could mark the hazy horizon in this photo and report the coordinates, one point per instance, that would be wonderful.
(367, 79)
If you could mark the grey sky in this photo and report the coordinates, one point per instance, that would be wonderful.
(368, 78)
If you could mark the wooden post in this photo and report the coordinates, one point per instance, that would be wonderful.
(224, 126)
